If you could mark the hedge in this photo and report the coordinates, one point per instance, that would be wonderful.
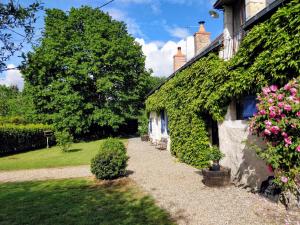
(17, 138)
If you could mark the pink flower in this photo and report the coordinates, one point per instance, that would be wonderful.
(293, 125)
(275, 129)
(266, 90)
(272, 108)
(293, 91)
(288, 140)
(270, 168)
(280, 97)
(284, 134)
(270, 100)
(298, 113)
(280, 104)
(283, 115)
(287, 87)
(262, 112)
(268, 123)
(267, 132)
(287, 107)
(298, 148)
(284, 179)
(272, 114)
(273, 88)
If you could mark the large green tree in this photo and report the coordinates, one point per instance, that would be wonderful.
(87, 72)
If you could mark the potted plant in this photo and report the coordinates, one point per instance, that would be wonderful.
(215, 156)
(215, 175)
(143, 126)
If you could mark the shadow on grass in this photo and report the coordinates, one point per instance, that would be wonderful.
(78, 201)
(74, 150)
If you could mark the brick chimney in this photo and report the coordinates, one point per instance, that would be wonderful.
(201, 38)
(179, 59)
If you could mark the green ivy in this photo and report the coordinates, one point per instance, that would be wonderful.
(269, 54)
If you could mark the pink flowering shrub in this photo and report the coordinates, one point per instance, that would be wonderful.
(278, 123)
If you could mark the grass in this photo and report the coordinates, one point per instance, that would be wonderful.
(79, 154)
(78, 201)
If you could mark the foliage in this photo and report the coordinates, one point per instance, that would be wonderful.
(87, 74)
(185, 97)
(111, 161)
(143, 123)
(268, 54)
(64, 140)
(17, 138)
(12, 120)
(14, 17)
(216, 154)
(277, 122)
(155, 81)
(14, 103)
(80, 154)
(78, 201)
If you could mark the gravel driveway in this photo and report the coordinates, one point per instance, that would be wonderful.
(45, 174)
(178, 188)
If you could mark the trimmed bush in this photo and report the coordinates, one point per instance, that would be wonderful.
(17, 138)
(111, 161)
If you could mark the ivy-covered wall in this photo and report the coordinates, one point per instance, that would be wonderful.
(269, 54)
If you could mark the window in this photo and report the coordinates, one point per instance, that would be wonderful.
(167, 123)
(163, 121)
(150, 125)
(246, 107)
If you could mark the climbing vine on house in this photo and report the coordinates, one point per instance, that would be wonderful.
(269, 54)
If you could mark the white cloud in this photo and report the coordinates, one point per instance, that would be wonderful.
(178, 32)
(159, 55)
(132, 26)
(12, 77)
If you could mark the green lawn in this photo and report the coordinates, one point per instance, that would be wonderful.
(78, 201)
(79, 154)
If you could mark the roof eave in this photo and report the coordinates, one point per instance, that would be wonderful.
(220, 3)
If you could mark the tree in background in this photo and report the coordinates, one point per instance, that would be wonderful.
(88, 73)
(14, 103)
(15, 20)
(155, 82)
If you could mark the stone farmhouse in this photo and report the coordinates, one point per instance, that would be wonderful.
(230, 135)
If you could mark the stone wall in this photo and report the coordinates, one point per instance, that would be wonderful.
(235, 142)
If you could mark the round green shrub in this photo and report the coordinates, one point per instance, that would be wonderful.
(111, 160)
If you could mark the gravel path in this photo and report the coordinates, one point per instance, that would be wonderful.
(45, 174)
(177, 187)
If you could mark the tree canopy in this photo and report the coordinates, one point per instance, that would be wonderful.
(87, 73)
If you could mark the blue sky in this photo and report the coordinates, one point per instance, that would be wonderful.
(159, 26)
